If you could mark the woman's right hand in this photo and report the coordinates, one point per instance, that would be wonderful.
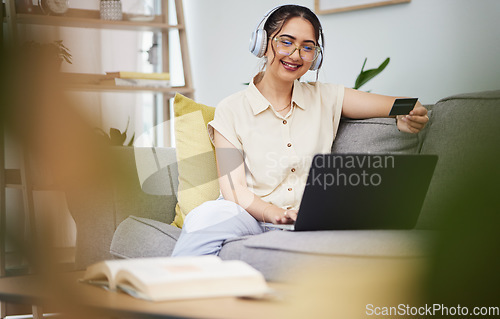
(276, 215)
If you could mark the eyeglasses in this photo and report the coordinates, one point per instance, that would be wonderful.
(286, 46)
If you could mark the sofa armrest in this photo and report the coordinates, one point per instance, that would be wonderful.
(95, 221)
(463, 129)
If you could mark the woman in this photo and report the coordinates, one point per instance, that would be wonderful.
(266, 135)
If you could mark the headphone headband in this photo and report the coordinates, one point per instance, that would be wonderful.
(267, 15)
(258, 41)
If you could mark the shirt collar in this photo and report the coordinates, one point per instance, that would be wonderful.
(259, 103)
(298, 94)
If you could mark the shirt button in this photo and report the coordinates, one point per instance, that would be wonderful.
(284, 122)
(290, 189)
(293, 170)
(289, 144)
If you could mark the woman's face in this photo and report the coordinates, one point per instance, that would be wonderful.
(289, 68)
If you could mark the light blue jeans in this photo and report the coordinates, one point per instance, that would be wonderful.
(207, 227)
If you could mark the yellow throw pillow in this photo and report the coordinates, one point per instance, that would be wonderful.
(198, 181)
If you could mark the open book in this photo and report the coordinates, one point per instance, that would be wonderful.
(169, 278)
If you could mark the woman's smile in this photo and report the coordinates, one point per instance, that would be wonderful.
(290, 66)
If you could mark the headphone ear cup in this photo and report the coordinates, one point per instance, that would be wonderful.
(258, 43)
(317, 63)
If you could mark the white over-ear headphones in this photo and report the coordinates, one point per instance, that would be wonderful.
(258, 42)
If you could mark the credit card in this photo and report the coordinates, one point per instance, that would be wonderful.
(403, 106)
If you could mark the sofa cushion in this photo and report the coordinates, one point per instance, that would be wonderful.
(198, 180)
(274, 253)
(462, 128)
(377, 135)
(139, 237)
(371, 243)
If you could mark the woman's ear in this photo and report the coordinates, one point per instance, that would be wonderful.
(269, 53)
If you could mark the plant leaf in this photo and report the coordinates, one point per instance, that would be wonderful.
(128, 123)
(131, 143)
(367, 75)
(363, 67)
(117, 137)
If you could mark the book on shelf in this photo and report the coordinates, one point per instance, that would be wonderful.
(171, 278)
(136, 82)
(138, 75)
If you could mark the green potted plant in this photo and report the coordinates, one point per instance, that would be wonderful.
(116, 137)
(54, 50)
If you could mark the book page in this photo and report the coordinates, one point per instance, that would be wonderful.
(150, 271)
(192, 279)
(104, 273)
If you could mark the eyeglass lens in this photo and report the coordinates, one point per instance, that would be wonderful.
(287, 47)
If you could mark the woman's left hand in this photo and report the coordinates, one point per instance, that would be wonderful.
(415, 121)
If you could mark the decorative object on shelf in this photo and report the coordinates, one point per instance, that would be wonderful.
(141, 11)
(24, 6)
(111, 10)
(365, 76)
(334, 6)
(54, 7)
(153, 51)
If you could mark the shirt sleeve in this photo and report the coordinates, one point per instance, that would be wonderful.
(224, 123)
(338, 109)
(331, 100)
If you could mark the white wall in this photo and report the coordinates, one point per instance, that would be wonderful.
(437, 47)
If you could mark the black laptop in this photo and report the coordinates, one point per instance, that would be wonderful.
(364, 191)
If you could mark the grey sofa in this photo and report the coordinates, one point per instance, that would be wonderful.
(127, 219)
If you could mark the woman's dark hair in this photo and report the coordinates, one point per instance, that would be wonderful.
(280, 16)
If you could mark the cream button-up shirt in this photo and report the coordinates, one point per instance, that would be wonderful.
(278, 150)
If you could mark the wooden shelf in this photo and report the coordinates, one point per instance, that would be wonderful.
(79, 18)
(92, 82)
(114, 88)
